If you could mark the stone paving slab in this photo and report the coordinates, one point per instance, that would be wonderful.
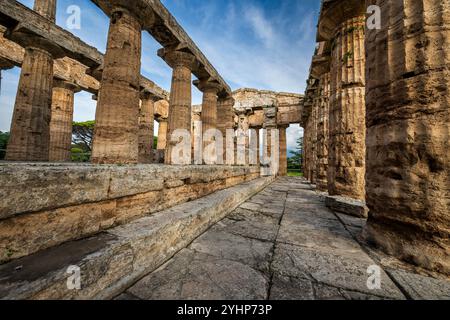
(221, 244)
(349, 273)
(198, 276)
(251, 224)
(283, 243)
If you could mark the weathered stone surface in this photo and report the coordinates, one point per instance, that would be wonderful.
(116, 124)
(290, 288)
(289, 105)
(94, 198)
(346, 156)
(30, 127)
(348, 206)
(349, 273)
(419, 287)
(219, 243)
(111, 261)
(250, 224)
(322, 133)
(180, 96)
(408, 182)
(61, 121)
(146, 128)
(180, 279)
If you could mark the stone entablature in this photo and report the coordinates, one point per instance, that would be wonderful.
(289, 105)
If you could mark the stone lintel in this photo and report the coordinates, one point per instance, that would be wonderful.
(348, 206)
(13, 14)
(71, 70)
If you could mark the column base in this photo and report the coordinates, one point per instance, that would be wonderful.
(347, 206)
(405, 243)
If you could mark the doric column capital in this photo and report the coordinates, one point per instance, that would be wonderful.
(137, 8)
(145, 95)
(5, 64)
(208, 86)
(176, 58)
(334, 13)
(66, 85)
(30, 40)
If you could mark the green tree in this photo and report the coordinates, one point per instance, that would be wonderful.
(4, 138)
(296, 160)
(82, 136)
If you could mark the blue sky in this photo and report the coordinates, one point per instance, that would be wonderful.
(263, 44)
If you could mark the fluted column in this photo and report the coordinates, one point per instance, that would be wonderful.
(61, 120)
(283, 152)
(225, 121)
(30, 127)
(197, 134)
(46, 8)
(210, 90)
(346, 158)
(314, 136)
(180, 94)
(146, 127)
(322, 133)
(258, 147)
(408, 117)
(162, 134)
(243, 142)
(116, 127)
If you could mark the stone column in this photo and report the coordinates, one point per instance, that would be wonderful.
(210, 90)
(116, 127)
(408, 125)
(314, 145)
(180, 94)
(46, 8)
(225, 120)
(61, 120)
(283, 152)
(346, 158)
(197, 134)
(162, 134)
(30, 128)
(258, 147)
(322, 133)
(243, 141)
(209, 104)
(146, 127)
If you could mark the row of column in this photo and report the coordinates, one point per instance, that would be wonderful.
(43, 113)
(335, 127)
(42, 121)
(389, 93)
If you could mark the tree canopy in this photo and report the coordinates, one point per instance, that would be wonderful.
(296, 160)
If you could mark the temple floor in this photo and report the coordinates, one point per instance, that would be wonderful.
(284, 243)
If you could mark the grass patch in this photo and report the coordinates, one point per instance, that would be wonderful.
(295, 174)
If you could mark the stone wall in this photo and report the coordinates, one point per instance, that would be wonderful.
(44, 205)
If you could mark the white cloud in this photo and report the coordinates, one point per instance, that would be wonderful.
(260, 25)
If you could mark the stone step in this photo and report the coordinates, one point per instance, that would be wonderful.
(115, 259)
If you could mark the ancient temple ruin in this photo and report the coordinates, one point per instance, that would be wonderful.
(375, 115)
